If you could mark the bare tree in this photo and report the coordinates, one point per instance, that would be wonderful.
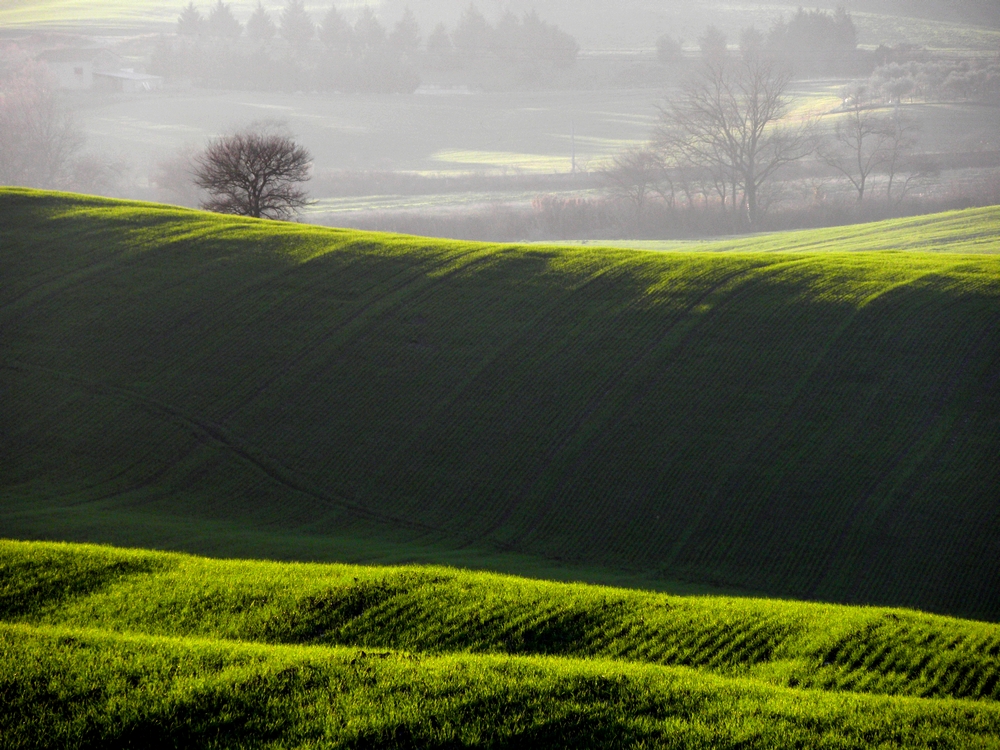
(729, 121)
(863, 141)
(897, 164)
(253, 172)
(634, 175)
(38, 137)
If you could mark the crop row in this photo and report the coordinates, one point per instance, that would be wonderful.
(439, 610)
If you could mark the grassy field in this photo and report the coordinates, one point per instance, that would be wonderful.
(818, 424)
(110, 647)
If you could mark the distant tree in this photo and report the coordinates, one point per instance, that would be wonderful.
(405, 36)
(634, 175)
(727, 121)
(815, 40)
(260, 27)
(472, 35)
(297, 28)
(862, 141)
(253, 172)
(901, 170)
(712, 43)
(440, 51)
(190, 22)
(548, 42)
(668, 49)
(335, 33)
(752, 41)
(222, 23)
(369, 33)
(38, 136)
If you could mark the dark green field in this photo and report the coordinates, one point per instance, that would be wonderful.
(102, 647)
(822, 424)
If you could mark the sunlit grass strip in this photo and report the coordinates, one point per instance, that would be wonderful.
(82, 687)
(440, 610)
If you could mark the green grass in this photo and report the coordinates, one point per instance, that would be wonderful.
(956, 232)
(105, 647)
(439, 610)
(821, 424)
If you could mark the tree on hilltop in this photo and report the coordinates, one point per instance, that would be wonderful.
(253, 172)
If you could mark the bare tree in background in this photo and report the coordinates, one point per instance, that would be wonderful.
(863, 141)
(902, 171)
(253, 173)
(634, 175)
(728, 120)
(38, 137)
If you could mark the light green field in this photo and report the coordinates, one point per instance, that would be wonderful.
(114, 647)
(122, 15)
(961, 232)
(816, 424)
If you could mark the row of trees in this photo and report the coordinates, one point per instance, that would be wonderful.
(726, 136)
(811, 42)
(940, 79)
(363, 56)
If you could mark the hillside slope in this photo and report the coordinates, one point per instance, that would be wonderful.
(815, 424)
(104, 647)
(444, 610)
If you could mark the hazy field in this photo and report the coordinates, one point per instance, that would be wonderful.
(513, 133)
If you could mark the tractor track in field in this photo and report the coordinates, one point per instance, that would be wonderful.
(383, 303)
(676, 353)
(941, 398)
(212, 434)
(498, 355)
(592, 406)
(791, 411)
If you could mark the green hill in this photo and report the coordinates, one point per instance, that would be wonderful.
(104, 647)
(821, 424)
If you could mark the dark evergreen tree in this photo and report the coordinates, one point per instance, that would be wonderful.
(405, 36)
(369, 33)
(335, 33)
(190, 22)
(297, 28)
(260, 27)
(222, 23)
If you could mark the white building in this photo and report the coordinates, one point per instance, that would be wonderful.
(126, 81)
(72, 68)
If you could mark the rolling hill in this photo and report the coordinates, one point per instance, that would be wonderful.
(103, 647)
(821, 424)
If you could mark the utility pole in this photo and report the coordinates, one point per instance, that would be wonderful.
(572, 138)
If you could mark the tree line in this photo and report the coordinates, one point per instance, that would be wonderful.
(725, 142)
(291, 51)
(810, 42)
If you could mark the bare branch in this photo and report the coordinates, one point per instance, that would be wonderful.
(253, 173)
